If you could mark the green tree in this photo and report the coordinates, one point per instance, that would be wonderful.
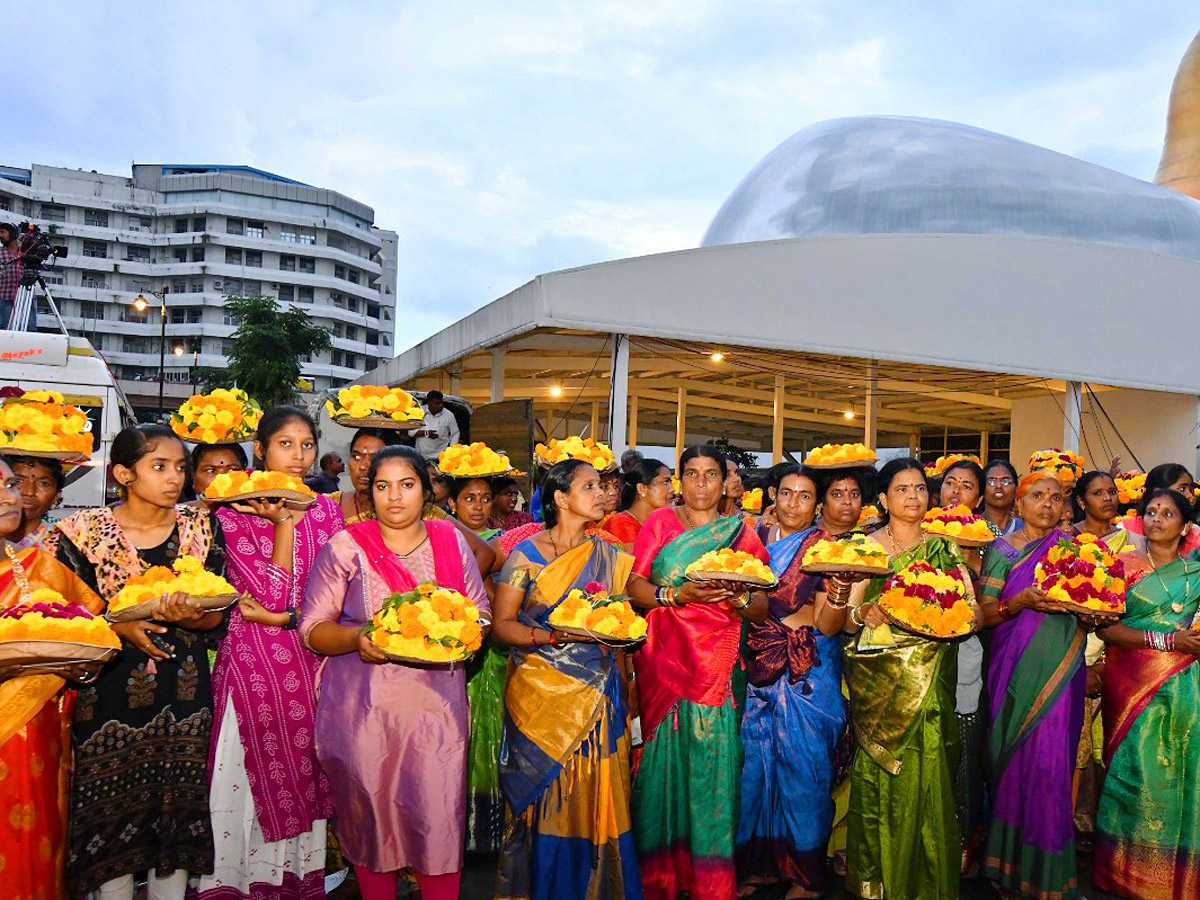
(742, 457)
(265, 350)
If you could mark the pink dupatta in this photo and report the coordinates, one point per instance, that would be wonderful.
(443, 541)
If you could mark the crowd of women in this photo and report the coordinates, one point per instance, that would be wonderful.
(756, 737)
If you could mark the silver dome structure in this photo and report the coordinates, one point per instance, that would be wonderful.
(895, 175)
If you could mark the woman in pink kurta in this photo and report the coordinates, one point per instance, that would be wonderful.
(392, 738)
(269, 799)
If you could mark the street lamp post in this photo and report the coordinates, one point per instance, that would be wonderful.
(141, 305)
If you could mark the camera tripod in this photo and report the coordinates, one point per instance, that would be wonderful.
(24, 308)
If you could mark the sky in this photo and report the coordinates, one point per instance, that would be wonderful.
(504, 140)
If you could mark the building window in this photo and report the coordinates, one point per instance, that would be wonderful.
(351, 361)
(252, 288)
(129, 314)
(234, 226)
(91, 309)
(180, 254)
(339, 272)
(304, 294)
(335, 358)
(95, 249)
(52, 213)
(287, 292)
(200, 223)
(197, 285)
(352, 304)
(233, 287)
(179, 286)
(197, 254)
(254, 259)
(140, 223)
(387, 315)
(310, 239)
(5, 203)
(385, 340)
(93, 280)
(338, 300)
(137, 253)
(185, 315)
(287, 235)
(351, 333)
(233, 257)
(306, 264)
(287, 263)
(373, 310)
(181, 226)
(372, 337)
(255, 229)
(353, 276)
(339, 330)
(96, 217)
(231, 319)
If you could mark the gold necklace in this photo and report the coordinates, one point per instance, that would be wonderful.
(896, 544)
(554, 546)
(1176, 606)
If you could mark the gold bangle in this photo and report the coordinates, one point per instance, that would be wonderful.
(857, 621)
(838, 595)
(746, 602)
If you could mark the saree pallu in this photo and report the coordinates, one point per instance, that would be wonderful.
(1148, 823)
(1035, 682)
(902, 832)
(564, 761)
(485, 696)
(795, 717)
(685, 791)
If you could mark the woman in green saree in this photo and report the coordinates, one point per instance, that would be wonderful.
(1148, 823)
(903, 837)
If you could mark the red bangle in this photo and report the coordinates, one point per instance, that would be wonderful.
(1002, 609)
(553, 639)
(533, 635)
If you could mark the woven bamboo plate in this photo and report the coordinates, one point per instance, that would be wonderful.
(378, 422)
(34, 657)
(292, 499)
(606, 639)
(495, 474)
(920, 632)
(828, 568)
(709, 575)
(145, 609)
(65, 456)
(851, 464)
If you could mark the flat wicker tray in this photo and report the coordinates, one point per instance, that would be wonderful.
(852, 464)
(900, 623)
(606, 640)
(827, 568)
(227, 442)
(495, 474)
(143, 610)
(292, 499)
(709, 575)
(66, 456)
(378, 422)
(45, 657)
(544, 463)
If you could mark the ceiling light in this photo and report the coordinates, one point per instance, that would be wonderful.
(848, 414)
(556, 391)
(716, 356)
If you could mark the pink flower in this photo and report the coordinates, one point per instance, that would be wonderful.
(593, 587)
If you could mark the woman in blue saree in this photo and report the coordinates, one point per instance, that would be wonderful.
(795, 714)
(564, 761)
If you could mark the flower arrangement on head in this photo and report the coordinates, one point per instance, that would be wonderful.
(1084, 573)
(589, 451)
(676, 486)
(428, 624)
(959, 524)
(922, 599)
(850, 550)
(375, 401)
(730, 565)
(186, 575)
(218, 417)
(42, 423)
(833, 455)
(476, 460)
(259, 483)
(752, 500)
(868, 515)
(942, 463)
(593, 611)
(1130, 487)
(1066, 467)
(45, 615)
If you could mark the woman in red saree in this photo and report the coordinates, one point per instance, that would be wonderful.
(646, 487)
(686, 784)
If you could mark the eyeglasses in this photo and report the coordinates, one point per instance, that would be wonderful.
(1000, 482)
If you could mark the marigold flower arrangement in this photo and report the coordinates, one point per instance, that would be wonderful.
(833, 455)
(476, 460)
(42, 422)
(752, 500)
(47, 616)
(219, 417)
(676, 486)
(594, 612)
(959, 524)
(187, 575)
(259, 482)
(734, 565)
(1066, 467)
(922, 599)
(1081, 571)
(367, 401)
(556, 450)
(1130, 487)
(868, 515)
(850, 550)
(942, 463)
(428, 624)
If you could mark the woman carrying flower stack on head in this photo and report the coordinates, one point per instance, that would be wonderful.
(211, 460)
(646, 486)
(795, 714)
(39, 482)
(392, 738)
(1148, 824)
(270, 800)
(1035, 683)
(567, 786)
(902, 834)
(685, 795)
(35, 722)
(129, 811)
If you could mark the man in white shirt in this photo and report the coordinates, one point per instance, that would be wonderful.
(439, 430)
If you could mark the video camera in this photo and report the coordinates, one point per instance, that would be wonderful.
(37, 251)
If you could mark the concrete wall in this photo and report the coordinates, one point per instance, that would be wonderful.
(1158, 427)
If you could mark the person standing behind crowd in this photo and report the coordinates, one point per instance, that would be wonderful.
(10, 272)
(438, 430)
(999, 498)
(129, 810)
(211, 460)
(326, 480)
(40, 483)
(269, 798)
(646, 486)
(356, 503)
(505, 514)
(392, 738)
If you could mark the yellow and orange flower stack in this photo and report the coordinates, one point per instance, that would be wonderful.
(929, 602)
(728, 561)
(1083, 572)
(430, 624)
(942, 463)
(958, 523)
(43, 422)
(47, 616)
(218, 417)
(366, 401)
(851, 550)
(868, 515)
(235, 484)
(1066, 467)
(752, 500)
(589, 451)
(1130, 487)
(840, 455)
(599, 614)
(187, 575)
(476, 460)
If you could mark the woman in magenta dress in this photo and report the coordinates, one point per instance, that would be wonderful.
(269, 799)
(392, 738)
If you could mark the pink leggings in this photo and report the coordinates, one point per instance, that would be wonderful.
(383, 885)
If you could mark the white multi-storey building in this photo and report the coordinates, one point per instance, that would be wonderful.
(202, 233)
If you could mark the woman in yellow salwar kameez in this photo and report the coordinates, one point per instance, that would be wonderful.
(35, 727)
